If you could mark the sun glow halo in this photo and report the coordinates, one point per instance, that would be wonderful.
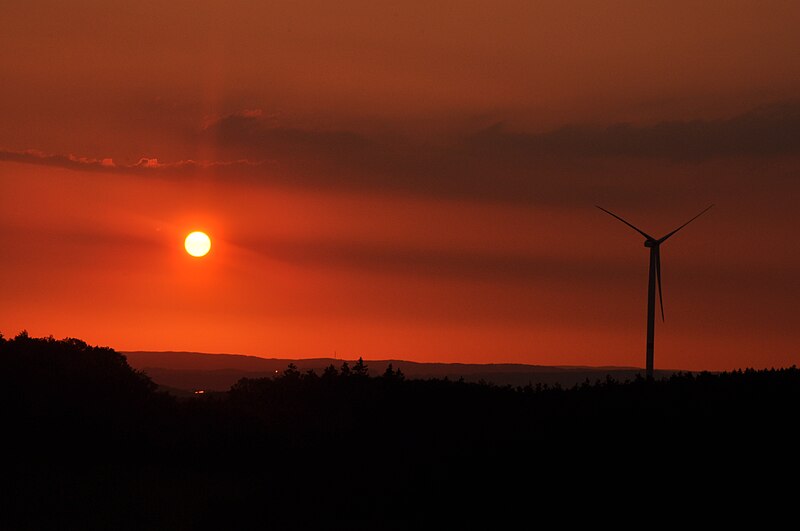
(197, 244)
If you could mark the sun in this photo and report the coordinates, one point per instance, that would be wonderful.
(197, 244)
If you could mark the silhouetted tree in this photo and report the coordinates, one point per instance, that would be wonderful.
(88, 393)
(393, 375)
(71, 367)
(330, 372)
(345, 370)
(291, 372)
(360, 368)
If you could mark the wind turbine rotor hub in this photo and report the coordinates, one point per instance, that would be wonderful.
(650, 243)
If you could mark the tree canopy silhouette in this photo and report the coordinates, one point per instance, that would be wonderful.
(300, 445)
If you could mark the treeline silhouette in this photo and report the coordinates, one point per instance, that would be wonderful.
(92, 443)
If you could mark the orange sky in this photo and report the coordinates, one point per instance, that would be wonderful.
(403, 181)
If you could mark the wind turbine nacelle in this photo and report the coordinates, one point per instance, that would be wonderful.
(650, 243)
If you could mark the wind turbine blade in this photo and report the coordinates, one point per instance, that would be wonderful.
(658, 276)
(626, 223)
(662, 240)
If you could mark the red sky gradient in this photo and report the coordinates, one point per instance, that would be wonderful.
(403, 181)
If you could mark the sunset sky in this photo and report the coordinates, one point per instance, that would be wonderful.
(408, 180)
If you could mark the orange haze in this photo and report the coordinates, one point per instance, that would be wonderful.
(407, 181)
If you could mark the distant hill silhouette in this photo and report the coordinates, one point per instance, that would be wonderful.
(218, 372)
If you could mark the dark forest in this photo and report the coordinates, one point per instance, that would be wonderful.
(92, 443)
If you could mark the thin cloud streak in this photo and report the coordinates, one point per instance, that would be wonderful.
(108, 165)
(417, 261)
(577, 164)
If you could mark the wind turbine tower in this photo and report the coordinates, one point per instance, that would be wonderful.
(655, 276)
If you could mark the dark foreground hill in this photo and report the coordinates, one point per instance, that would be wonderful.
(218, 372)
(91, 444)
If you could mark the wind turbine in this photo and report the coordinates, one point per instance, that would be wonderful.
(655, 275)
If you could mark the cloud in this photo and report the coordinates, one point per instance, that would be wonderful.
(32, 156)
(576, 164)
(767, 131)
(341, 159)
(496, 163)
(252, 131)
(143, 165)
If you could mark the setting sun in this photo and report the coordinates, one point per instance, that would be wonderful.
(197, 244)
